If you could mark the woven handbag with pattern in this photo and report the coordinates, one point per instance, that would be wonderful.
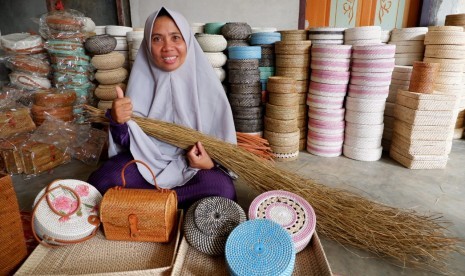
(139, 214)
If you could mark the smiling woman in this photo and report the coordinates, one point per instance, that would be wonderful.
(171, 80)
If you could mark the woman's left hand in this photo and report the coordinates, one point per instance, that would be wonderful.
(199, 158)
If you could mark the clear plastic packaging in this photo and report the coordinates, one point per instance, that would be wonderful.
(22, 43)
(63, 24)
(29, 65)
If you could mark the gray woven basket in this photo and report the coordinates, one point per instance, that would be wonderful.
(246, 125)
(245, 100)
(250, 88)
(236, 31)
(100, 44)
(240, 76)
(248, 113)
(242, 64)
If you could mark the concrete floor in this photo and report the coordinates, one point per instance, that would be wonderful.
(385, 181)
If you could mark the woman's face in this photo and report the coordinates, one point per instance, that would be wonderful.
(169, 49)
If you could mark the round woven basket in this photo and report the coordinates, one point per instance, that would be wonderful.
(365, 105)
(115, 30)
(28, 64)
(241, 76)
(330, 64)
(245, 100)
(41, 112)
(373, 51)
(326, 127)
(332, 115)
(330, 90)
(332, 51)
(238, 43)
(265, 38)
(292, 60)
(252, 88)
(64, 21)
(330, 77)
(288, 149)
(317, 101)
(244, 52)
(104, 105)
(247, 243)
(209, 222)
(54, 98)
(216, 59)
(248, 113)
(371, 79)
(281, 112)
(236, 30)
(279, 84)
(285, 157)
(213, 27)
(423, 77)
(220, 73)
(361, 130)
(282, 139)
(324, 151)
(110, 61)
(384, 65)
(107, 92)
(445, 37)
(242, 64)
(100, 44)
(327, 140)
(28, 81)
(290, 211)
(290, 100)
(410, 34)
(293, 47)
(267, 50)
(362, 142)
(277, 125)
(248, 125)
(364, 118)
(298, 73)
(22, 43)
(445, 51)
(211, 42)
(111, 76)
(293, 35)
(363, 33)
(361, 154)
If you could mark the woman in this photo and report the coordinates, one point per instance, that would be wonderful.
(171, 80)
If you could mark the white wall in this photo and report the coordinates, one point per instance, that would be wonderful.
(446, 7)
(282, 14)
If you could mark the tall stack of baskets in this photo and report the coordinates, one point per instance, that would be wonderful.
(122, 44)
(409, 44)
(458, 20)
(110, 72)
(369, 87)
(423, 118)
(293, 61)
(446, 45)
(134, 39)
(281, 121)
(330, 66)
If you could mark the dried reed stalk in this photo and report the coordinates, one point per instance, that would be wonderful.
(412, 239)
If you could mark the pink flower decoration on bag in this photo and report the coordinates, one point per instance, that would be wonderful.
(82, 190)
(64, 204)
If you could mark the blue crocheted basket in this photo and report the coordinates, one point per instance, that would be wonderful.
(260, 247)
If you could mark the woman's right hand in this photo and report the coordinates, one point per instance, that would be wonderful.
(121, 109)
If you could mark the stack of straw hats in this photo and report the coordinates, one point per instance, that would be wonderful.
(409, 44)
(293, 61)
(236, 33)
(326, 35)
(281, 129)
(446, 45)
(213, 46)
(400, 80)
(372, 67)
(245, 96)
(423, 119)
(71, 67)
(134, 39)
(109, 64)
(122, 46)
(458, 20)
(330, 66)
(28, 71)
(363, 35)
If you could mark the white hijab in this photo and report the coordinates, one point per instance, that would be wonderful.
(191, 96)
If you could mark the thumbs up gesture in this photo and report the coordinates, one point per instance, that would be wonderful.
(121, 109)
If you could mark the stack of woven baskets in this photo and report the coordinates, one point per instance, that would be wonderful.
(213, 46)
(423, 120)
(109, 64)
(330, 66)
(366, 35)
(293, 61)
(54, 102)
(134, 39)
(122, 45)
(400, 80)
(369, 87)
(30, 71)
(326, 35)
(446, 45)
(409, 44)
(281, 123)
(245, 89)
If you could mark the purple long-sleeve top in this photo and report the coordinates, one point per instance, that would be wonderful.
(119, 132)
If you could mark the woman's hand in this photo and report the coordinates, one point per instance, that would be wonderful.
(121, 109)
(199, 158)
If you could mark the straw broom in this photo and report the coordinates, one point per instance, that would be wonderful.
(412, 239)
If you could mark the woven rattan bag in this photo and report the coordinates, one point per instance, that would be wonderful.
(12, 243)
(139, 214)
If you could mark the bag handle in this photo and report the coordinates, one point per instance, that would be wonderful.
(147, 166)
(94, 220)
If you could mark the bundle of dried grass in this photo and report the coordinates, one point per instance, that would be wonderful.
(412, 239)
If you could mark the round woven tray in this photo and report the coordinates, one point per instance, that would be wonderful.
(107, 92)
(330, 77)
(248, 125)
(324, 89)
(236, 30)
(211, 42)
(293, 35)
(330, 64)
(252, 88)
(28, 81)
(327, 140)
(445, 37)
(407, 59)
(290, 211)
(111, 76)
(373, 51)
(209, 222)
(278, 84)
(238, 43)
(244, 52)
(324, 151)
(116, 31)
(384, 65)
(293, 47)
(361, 130)
(326, 127)
(292, 60)
(104, 105)
(248, 113)
(445, 51)
(281, 112)
(277, 125)
(100, 44)
(265, 38)
(298, 73)
(362, 142)
(332, 115)
(290, 149)
(363, 33)
(365, 105)
(362, 154)
(371, 79)
(242, 64)
(110, 61)
(410, 34)
(317, 101)
(245, 100)
(282, 139)
(244, 76)
(216, 59)
(290, 100)
(27, 64)
(331, 51)
(364, 118)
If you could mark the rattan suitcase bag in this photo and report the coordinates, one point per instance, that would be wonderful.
(138, 214)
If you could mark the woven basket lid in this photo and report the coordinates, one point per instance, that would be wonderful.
(209, 222)
(260, 247)
(290, 211)
(75, 226)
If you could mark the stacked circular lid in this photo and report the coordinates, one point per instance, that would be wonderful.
(54, 223)
(260, 247)
(328, 87)
(370, 79)
(409, 44)
(290, 211)
(326, 35)
(281, 118)
(209, 222)
(363, 35)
